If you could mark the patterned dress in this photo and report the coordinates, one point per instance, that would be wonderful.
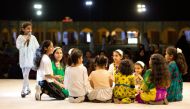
(124, 89)
(176, 86)
(59, 71)
(138, 80)
(150, 92)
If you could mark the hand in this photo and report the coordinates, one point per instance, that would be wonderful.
(58, 77)
(27, 40)
(61, 85)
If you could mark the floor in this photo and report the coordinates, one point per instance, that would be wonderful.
(10, 98)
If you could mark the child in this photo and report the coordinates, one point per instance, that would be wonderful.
(27, 44)
(100, 81)
(58, 67)
(156, 82)
(45, 77)
(177, 68)
(124, 90)
(139, 71)
(76, 77)
(117, 57)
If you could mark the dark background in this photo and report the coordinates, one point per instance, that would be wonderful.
(102, 10)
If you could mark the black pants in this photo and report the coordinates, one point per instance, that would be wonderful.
(51, 90)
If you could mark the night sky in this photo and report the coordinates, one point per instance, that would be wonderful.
(102, 10)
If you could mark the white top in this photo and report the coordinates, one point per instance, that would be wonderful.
(26, 54)
(111, 71)
(76, 81)
(45, 68)
(111, 68)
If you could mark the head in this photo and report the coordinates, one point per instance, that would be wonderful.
(126, 67)
(101, 61)
(173, 54)
(57, 54)
(102, 52)
(117, 55)
(139, 67)
(160, 75)
(142, 52)
(26, 28)
(76, 56)
(88, 54)
(45, 48)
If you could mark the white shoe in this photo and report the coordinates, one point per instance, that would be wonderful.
(38, 93)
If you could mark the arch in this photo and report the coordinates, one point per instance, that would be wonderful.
(154, 35)
(118, 29)
(5, 30)
(169, 36)
(70, 30)
(100, 32)
(133, 29)
(86, 30)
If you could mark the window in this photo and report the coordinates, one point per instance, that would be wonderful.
(132, 37)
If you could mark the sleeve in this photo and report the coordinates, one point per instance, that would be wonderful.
(90, 76)
(86, 81)
(111, 69)
(66, 78)
(47, 67)
(20, 42)
(144, 86)
(132, 80)
(36, 43)
(171, 70)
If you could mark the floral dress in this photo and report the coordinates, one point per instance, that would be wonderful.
(124, 89)
(176, 86)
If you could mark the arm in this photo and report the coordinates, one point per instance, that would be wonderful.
(66, 79)
(55, 80)
(111, 80)
(90, 79)
(86, 80)
(36, 43)
(20, 42)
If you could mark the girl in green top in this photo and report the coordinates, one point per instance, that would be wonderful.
(58, 67)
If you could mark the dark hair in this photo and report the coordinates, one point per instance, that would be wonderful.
(74, 56)
(69, 61)
(160, 75)
(179, 58)
(24, 25)
(53, 57)
(101, 61)
(144, 68)
(40, 51)
(126, 67)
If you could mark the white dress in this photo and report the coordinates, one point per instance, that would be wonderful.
(26, 54)
(76, 81)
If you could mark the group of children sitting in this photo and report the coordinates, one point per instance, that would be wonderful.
(123, 83)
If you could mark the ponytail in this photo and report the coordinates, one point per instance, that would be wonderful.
(181, 63)
(38, 58)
